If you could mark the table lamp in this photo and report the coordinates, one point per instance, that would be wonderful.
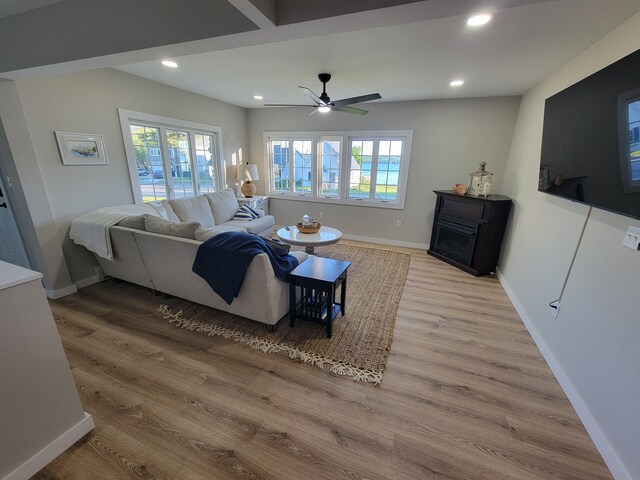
(248, 172)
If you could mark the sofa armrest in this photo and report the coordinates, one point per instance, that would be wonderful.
(301, 256)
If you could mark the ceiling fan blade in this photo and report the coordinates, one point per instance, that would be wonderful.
(312, 95)
(357, 111)
(361, 98)
(312, 112)
(285, 105)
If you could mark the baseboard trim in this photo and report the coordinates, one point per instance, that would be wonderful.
(85, 282)
(38, 461)
(385, 241)
(381, 241)
(61, 292)
(617, 468)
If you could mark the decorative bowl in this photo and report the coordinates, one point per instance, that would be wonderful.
(312, 227)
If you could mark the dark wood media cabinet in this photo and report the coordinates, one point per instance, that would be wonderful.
(467, 231)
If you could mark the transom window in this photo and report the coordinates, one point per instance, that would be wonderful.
(344, 167)
(171, 158)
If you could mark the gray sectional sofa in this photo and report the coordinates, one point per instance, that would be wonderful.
(163, 262)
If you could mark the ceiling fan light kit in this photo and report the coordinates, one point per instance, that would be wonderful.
(323, 103)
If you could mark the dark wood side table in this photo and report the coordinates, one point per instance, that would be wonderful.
(318, 279)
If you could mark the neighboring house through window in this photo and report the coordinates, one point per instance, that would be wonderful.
(171, 158)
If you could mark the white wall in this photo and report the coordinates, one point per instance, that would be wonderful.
(594, 344)
(87, 102)
(450, 138)
(31, 206)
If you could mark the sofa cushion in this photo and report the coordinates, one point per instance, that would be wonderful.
(159, 207)
(193, 209)
(301, 256)
(134, 221)
(257, 225)
(203, 234)
(169, 213)
(165, 227)
(224, 205)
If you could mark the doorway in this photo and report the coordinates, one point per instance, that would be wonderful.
(11, 246)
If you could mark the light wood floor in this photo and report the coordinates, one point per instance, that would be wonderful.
(465, 395)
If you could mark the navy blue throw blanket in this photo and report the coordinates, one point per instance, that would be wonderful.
(224, 259)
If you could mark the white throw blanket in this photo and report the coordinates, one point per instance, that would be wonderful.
(91, 230)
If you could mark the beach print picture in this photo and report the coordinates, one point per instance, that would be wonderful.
(81, 148)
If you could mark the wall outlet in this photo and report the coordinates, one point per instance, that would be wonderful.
(399, 224)
(632, 238)
(555, 308)
(321, 215)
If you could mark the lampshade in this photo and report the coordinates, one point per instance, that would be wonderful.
(248, 172)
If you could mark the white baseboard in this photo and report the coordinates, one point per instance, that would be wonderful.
(61, 292)
(617, 468)
(38, 461)
(382, 241)
(85, 282)
(385, 241)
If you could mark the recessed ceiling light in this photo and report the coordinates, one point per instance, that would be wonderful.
(258, 97)
(456, 83)
(479, 19)
(324, 109)
(169, 63)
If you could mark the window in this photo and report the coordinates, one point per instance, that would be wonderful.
(329, 153)
(303, 166)
(280, 166)
(357, 168)
(171, 158)
(374, 172)
(149, 165)
(291, 159)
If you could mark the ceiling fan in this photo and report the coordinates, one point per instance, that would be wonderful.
(324, 104)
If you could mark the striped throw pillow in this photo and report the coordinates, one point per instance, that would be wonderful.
(246, 213)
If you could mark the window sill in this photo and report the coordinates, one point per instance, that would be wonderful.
(337, 201)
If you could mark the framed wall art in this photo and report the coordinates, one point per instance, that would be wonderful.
(81, 148)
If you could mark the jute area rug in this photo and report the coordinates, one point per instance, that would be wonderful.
(361, 339)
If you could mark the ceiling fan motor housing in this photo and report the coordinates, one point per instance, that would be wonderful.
(324, 78)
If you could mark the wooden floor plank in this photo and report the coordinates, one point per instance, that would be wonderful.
(465, 395)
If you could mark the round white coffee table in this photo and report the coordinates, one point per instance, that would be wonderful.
(325, 236)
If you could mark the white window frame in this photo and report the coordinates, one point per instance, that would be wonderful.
(319, 172)
(128, 117)
(345, 155)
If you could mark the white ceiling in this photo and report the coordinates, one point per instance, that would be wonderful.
(404, 52)
(407, 61)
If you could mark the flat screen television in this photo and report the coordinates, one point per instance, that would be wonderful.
(591, 140)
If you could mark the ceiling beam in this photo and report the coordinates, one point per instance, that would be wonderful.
(260, 12)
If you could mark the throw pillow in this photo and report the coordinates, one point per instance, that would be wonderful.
(246, 213)
(193, 209)
(170, 214)
(278, 246)
(224, 205)
(134, 221)
(204, 234)
(159, 207)
(165, 227)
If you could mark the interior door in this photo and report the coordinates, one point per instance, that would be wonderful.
(11, 246)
